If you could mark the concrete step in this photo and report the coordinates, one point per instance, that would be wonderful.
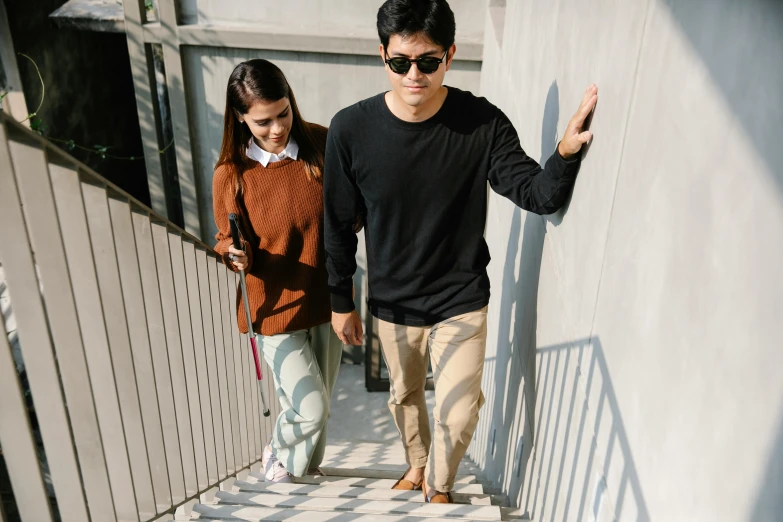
(391, 450)
(373, 452)
(328, 491)
(380, 449)
(512, 514)
(388, 471)
(379, 507)
(369, 483)
(357, 487)
(392, 462)
(256, 514)
(363, 446)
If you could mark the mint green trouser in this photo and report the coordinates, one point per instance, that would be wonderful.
(304, 365)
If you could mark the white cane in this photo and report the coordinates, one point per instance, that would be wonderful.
(232, 219)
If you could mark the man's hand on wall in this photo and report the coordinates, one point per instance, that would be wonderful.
(574, 136)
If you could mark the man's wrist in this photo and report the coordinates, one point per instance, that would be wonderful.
(568, 158)
(563, 154)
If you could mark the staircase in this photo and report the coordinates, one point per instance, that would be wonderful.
(357, 488)
(126, 353)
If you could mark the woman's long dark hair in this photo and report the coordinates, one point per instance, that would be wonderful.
(251, 82)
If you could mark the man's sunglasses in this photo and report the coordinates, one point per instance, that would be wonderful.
(426, 64)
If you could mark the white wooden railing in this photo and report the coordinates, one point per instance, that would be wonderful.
(143, 389)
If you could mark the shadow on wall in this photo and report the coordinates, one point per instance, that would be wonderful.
(518, 311)
(738, 43)
(571, 438)
(576, 450)
(769, 502)
(549, 140)
(561, 432)
(511, 446)
(558, 443)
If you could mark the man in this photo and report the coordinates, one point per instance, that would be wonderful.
(416, 161)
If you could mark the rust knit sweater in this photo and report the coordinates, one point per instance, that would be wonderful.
(286, 277)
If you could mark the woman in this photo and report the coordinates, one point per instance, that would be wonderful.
(269, 174)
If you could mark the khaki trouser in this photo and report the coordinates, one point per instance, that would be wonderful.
(456, 347)
(304, 365)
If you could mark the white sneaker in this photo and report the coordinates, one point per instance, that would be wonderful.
(278, 474)
(267, 458)
(274, 471)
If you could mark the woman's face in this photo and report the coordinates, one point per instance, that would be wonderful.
(270, 123)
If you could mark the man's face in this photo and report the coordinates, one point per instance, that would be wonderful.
(416, 88)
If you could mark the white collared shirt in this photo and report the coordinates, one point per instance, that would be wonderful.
(255, 152)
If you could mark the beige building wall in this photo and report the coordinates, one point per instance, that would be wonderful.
(634, 360)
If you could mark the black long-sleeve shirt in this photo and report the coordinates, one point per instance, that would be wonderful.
(423, 189)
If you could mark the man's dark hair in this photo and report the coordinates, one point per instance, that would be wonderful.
(433, 18)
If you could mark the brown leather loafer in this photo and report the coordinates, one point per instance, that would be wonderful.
(438, 498)
(406, 485)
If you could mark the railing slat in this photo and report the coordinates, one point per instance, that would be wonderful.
(193, 289)
(204, 264)
(168, 300)
(76, 238)
(216, 288)
(102, 237)
(149, 278)
(36, 345)
(233, 280)
(16, 438)
(130, 278)
(189, 358)
(228, 308)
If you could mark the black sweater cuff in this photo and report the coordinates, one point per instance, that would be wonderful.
(568, 168)
(342, 304)
(568, 161)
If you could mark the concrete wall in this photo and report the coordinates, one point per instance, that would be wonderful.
(338, 17)
(635, 348)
